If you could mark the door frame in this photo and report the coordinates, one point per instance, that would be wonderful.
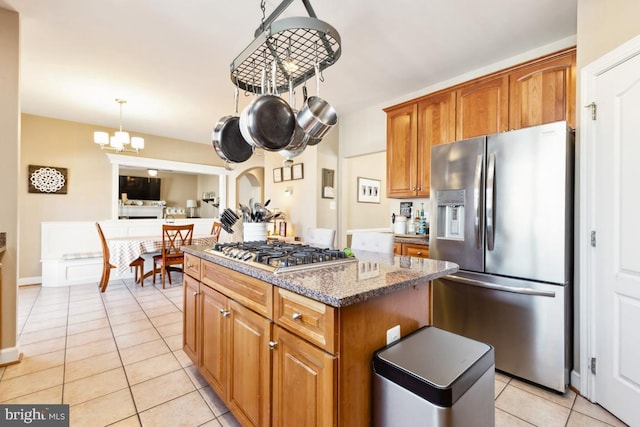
(586, 217)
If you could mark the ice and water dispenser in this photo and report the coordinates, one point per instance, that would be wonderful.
(450, 214)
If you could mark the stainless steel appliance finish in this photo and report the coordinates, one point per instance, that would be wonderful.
(503, 212)
(279, 257)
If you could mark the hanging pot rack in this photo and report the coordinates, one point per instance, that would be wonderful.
(296, 45)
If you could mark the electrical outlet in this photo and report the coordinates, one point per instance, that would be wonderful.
(393, 334)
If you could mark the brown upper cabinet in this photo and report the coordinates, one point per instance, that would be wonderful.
(411, 131)
(482, 107)
(543, 92)
(537, 92)
(402, 151)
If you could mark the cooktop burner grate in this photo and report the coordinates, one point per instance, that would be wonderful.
(280, 256)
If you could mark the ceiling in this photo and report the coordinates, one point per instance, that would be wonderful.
(170, 59)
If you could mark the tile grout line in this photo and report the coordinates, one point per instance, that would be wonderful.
(124, 283)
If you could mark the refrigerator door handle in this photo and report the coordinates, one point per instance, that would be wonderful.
(491, 174)
(493, 286)
(476, 199)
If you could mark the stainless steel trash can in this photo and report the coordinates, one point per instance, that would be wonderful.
(434, 378)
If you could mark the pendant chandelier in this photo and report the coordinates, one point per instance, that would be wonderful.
(120, 139)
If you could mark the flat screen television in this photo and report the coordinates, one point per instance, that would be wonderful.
(139, 187)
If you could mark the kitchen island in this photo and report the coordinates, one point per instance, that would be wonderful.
(295, 348)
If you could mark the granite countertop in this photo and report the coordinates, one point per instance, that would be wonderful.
(414, 239)
(370, 275)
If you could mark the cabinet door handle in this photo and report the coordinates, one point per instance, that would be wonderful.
(195, 294)
(225, 313)
(273, 345)
(296, 316)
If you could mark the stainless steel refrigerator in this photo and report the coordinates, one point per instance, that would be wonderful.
(502, 208)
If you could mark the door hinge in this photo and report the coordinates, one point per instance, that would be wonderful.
(593, 365)
(593, 109)
(593, 239)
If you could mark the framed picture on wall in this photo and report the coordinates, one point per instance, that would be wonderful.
(327, 183)
(286, 173)
(277, 175)
(297, 171)
(47, 179)
(368, 190)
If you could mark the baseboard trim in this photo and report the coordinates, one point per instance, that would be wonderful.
(27, 281)
(10, 356)
(575, 381)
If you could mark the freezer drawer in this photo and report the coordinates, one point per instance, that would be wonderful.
(528, 323)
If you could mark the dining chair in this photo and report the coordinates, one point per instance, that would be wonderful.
(320, 237)
(216, 228)
(137, 264)
(372, 241)
(173, 236)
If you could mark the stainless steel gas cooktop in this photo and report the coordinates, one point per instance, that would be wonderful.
(280, 257)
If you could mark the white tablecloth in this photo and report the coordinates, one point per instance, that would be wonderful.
(123, 250)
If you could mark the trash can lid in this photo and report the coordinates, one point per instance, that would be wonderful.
(435, 364)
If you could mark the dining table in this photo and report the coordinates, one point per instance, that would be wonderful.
(123, 250)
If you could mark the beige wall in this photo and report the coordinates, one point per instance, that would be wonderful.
(327, 158)
(366, 215)
(9, 160)
(66, 144)
(604, 25)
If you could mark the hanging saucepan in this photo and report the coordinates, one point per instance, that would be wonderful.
(310, 140)
(228, 141)
(268, 121)
(317, 116)
(299, 139)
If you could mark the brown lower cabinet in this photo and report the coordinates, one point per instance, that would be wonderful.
(277, 358)
(410, 249)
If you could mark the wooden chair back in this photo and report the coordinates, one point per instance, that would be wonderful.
(216, 228)
(106, 266)
(174, 236)
(105, 248)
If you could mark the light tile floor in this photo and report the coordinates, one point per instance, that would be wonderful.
(116, 358)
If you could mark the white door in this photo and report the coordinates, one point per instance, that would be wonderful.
(615, 174)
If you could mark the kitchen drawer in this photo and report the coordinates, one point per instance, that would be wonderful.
(248, 291)
(307, 318)
(421, 251)
(397, 248)
(192, 266)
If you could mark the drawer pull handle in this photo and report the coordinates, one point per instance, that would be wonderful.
(296, 316)
(189, 265)
(419, 253)
(273, 345)
(225, 313)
